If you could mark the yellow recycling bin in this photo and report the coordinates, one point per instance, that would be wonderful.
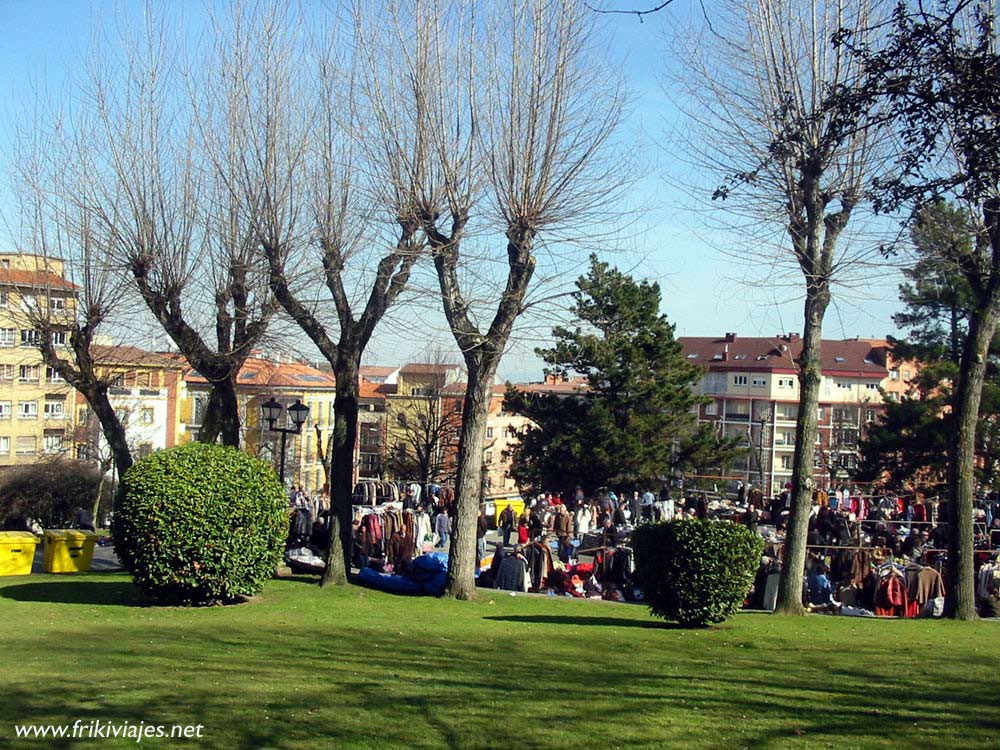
(68, 550)
(17, 552)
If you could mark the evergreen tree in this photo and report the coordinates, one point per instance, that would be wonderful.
(910, 444)
(633, 421)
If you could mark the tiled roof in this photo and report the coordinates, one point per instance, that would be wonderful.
(855, 357)
(368, 389)
(133, 355)
(377, 371)
(264, 373)
(417, 368)
(35, 279)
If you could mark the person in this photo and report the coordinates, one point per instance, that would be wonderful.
(581, 520)
(750, 518)
(482, 526)
(562, 524)
(819, 587)
(701, 507)
(83, 520)
(507, 524)
(741, 493)
(648, 498)
(536, 522)
(442, 527)
(522, 529)
(619, 517)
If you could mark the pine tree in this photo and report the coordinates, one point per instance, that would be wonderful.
(634, 420)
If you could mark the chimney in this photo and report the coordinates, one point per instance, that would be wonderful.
(725, 349)
(731, 337)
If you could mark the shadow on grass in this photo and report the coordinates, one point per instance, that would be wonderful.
(67, 591)
(614, 622)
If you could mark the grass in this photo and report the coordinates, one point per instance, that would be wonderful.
(303, 668)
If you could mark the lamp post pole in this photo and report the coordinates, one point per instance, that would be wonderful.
(271, 411)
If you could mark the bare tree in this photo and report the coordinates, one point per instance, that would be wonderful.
(83, 290)
(500, 122)
(286, 140)
(191, 253)
(761, 80)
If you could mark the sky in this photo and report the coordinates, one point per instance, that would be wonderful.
(668, 239)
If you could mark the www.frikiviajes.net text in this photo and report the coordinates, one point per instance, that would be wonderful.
(97, 729)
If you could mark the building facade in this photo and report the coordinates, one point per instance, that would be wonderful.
(36, 404)
(753, 387)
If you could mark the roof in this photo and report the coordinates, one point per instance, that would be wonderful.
(368, 389)
(376, 371)
(133, 355)
(263, 373)
(854, 357)
(418, 368)
(35, 279)
(562, 387)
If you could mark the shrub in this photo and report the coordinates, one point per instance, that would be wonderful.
(200, 523)
(695, 572)
(50, 492)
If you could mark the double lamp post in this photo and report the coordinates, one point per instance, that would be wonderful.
(297, 413)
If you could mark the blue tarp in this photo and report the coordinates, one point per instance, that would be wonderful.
(428, 575)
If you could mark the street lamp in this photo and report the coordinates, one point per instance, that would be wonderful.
(297, 412)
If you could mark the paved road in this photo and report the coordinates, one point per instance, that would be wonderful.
(104, 560)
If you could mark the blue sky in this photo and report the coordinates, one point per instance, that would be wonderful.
(704, 292)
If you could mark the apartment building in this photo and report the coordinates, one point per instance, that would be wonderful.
(754, 390)
(144, 392)
(36, 405)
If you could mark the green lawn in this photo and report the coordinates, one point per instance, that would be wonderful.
(336, 669)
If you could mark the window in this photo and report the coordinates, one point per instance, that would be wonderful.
(29, 337)
(489, 432)
(820, 414)
(400, 452)
(759, 382)
(711, 408)
(3, 302)
(871, 415)
(4, 409)
(4, 446)
(52, 376)
(27, 410)
(59, 338)
(26, 445)
(786, 382)
(893, 374)
(57, 303)
(843, 384)
(52, 442)
(198, 411)
(511, 431)
(488, 457)
(5, 263)
(29, 303)
(871, 386)
(739, 379)
(788, 412)
(401, 419)
(54, 410)
(7, 337)
(147, 415)
(906, 374)
(786, 437)
(843, 415)
(6, 373)
(692, 356)
(84, 415)
(29, 373)
(786, 461)
(143, 450)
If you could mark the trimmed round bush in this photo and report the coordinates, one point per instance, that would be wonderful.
(200, 524)
(695, 572)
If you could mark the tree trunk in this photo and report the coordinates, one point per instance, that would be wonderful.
(960, 601)
(469, 483)
(345, 433)
(810, 376)
(111, 428)
(222, 415)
